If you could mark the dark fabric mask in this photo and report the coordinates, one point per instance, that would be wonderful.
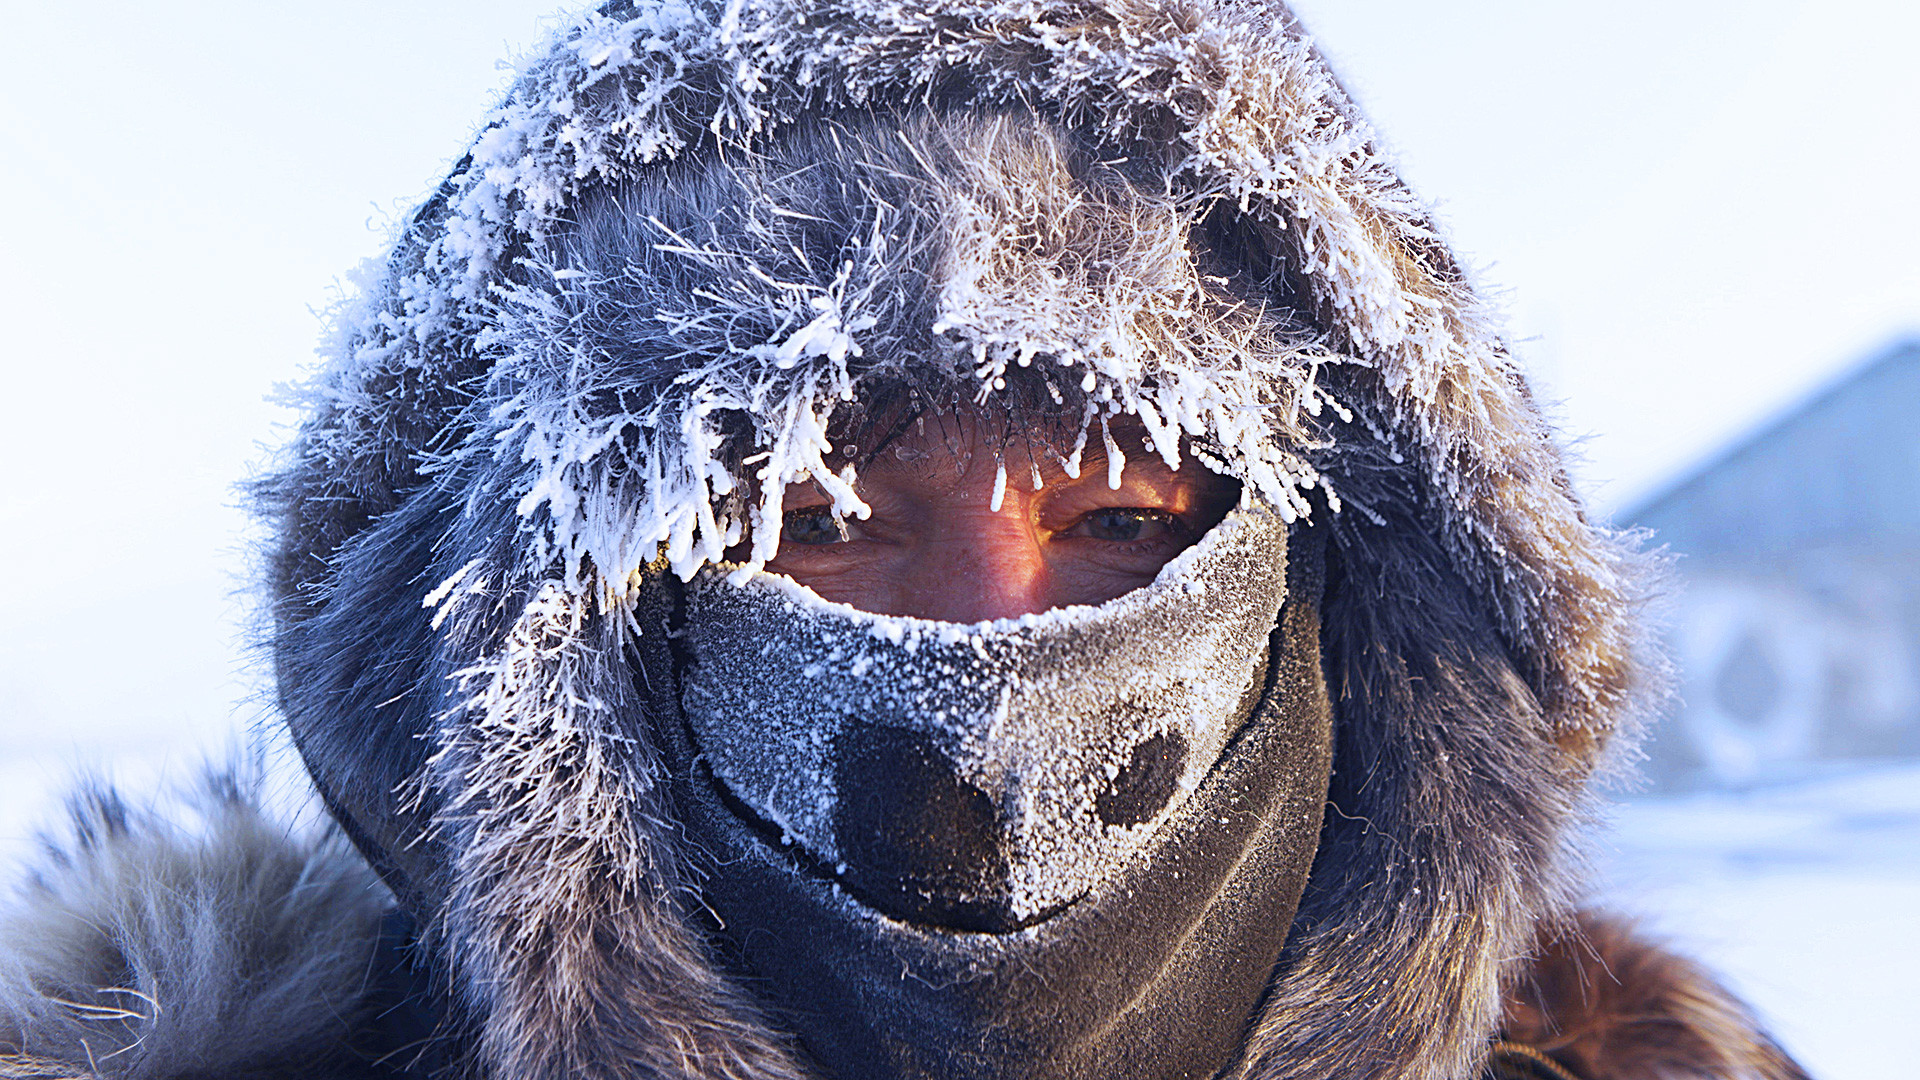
(1063, 846)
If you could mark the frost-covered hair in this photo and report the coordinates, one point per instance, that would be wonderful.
(726, 312)
(595, 354)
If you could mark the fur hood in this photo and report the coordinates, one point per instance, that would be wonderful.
(504, 446)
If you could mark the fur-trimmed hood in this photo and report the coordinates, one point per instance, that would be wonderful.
(506, 444)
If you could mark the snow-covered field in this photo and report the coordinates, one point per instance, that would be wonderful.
(1804, 896)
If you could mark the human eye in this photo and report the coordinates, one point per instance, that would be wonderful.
(814, 526)
(1125, 524)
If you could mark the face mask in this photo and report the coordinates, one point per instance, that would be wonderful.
(1067, 844)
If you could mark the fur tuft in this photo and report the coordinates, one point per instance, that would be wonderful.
(139, 949)
(562, 924)
(1606, 1003)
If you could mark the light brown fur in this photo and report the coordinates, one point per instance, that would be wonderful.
(1609, 1004)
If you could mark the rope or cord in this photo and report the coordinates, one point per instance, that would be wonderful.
(1518, 1061)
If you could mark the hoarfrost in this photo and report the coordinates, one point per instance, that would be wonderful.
(1043, 713)
(615, 96)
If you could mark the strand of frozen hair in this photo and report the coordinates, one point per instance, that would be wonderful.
(623, 90)
(673, 362)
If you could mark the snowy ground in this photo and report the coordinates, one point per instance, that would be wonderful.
(1804, 896)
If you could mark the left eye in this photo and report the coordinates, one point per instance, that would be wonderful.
(1124, 523)
(813, 526)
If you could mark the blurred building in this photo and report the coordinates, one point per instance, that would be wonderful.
(1796, 624)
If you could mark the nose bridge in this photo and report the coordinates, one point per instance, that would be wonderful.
(982, 564)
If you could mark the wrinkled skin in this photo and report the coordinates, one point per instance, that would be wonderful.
(936, 546)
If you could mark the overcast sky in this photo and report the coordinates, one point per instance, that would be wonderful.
(1698, 209)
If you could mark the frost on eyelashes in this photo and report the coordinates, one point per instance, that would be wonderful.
(670, 365)
(613, 95)
(705, 461)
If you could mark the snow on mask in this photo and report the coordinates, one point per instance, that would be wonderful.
(984, 776)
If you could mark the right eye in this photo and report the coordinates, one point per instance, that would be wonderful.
(1126, 524)
(814, 526)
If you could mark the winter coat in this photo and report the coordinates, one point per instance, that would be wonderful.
(501, 456)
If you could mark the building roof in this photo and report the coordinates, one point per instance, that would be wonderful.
(1842, 464)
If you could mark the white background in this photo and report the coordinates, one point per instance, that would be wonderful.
(1698, 209)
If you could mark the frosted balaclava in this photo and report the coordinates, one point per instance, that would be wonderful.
(1063, 845)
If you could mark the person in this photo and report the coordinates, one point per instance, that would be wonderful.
(860, 541)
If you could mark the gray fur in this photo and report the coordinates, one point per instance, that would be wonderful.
(142, 949)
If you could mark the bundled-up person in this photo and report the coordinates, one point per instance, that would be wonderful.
(869, 541)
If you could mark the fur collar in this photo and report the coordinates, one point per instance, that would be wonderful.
(235, 947)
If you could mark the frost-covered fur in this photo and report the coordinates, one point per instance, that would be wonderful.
(719, 312)
(142, 949)
(598, 354)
